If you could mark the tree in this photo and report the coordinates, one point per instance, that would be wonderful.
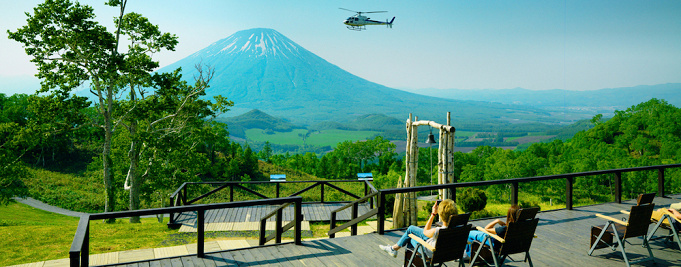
(266, 152)
(12, 148)
(70, 48)
(171, 119)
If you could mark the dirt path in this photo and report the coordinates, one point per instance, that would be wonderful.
(41, 205)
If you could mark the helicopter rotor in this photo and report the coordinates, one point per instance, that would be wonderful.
(360, 12)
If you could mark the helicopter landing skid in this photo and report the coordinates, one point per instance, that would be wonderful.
(357, 28)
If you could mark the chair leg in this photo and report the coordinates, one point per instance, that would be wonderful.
(475, 257)
(673, 231)
(494, 256)
(675, 234)
(528, 258)
(598, 239)
(621, 244)
(413, 255)
(647, 245)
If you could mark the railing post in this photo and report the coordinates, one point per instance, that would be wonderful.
(184, 195)
(277, 227)
(171, 215)
(332, 224)
(353, 228)
(277, 189)
(231, 193)
(263, 230)
(322, 185)
(568, 193)
(297, 236)
(618, 187)
(514, 193)
(200, 231)
(381, 214)
(79, 254)
(660, 182)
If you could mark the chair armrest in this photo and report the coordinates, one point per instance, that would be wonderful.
(611, 219)
(418, 239)
(493, 235)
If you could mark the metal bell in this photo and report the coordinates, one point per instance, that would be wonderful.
(431, 139)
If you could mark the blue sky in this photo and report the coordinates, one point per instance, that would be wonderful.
(538, 45)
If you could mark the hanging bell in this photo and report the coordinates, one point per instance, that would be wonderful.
(431, 139)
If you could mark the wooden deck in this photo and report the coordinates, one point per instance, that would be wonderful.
(312, 212)
(563, 240)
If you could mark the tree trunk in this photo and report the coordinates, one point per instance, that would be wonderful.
(110, 201)
(413, 213)
(398, 212)
(133, 175)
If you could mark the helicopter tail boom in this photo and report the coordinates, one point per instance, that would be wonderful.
(390, 24)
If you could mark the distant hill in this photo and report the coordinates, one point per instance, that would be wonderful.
(256, 119)
(263, 69)
(598, 101)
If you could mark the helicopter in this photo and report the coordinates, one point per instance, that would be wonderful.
(359, 22)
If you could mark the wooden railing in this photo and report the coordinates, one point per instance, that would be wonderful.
(179, 197)
(515, 182)
(80, 247)
(277, 222)
(354, 218)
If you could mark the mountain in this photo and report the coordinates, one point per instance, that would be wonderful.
(263, 69)
(602, 101)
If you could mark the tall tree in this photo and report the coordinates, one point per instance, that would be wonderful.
(70, 48)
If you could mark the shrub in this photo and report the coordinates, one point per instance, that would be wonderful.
(472, 199)
(528, 204)
(428, 207)
(482, 214)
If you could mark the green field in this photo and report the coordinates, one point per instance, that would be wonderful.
(465, 133)
(321, 138)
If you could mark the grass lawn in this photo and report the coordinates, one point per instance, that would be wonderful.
(31, 235)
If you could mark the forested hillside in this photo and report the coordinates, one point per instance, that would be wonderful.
(643, 135)
(41, 138)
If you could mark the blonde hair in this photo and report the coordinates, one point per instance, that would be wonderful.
(445, 209)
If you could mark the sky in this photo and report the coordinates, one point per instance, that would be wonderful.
(443, 44)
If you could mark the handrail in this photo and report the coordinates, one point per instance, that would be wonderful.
(235, 183)
(179, 197)
(569, 177)
(178, 189)
(354, 218)
(79, 253)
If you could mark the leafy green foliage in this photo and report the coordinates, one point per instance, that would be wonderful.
(643, 135)
(472, 199)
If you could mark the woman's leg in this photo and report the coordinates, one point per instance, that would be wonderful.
(417, 231)
(475, 235)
